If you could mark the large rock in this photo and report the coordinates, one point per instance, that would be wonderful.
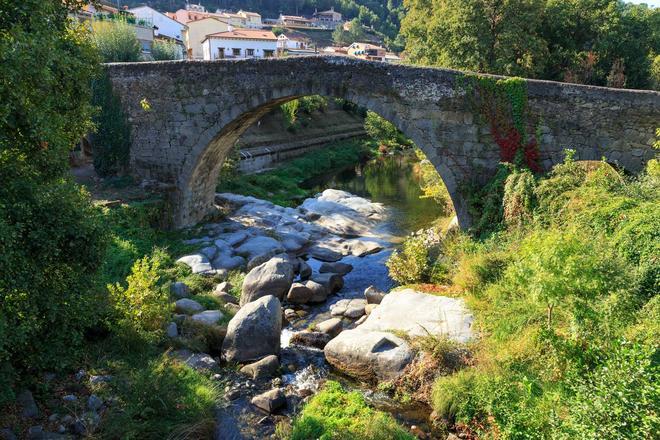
(373, 295)
(324, 253)
(368, 355)
(227, 261)
(338, 267)
(259, 245)
(187, 306)
(198, 263)
(419, 314)
(361, 248)
(350, 308)
(331, 281)
(342, 213)
(180, 289)
(299, 294)
(262, 369)
(208, 317)
(273, 277)
(372, 352)
(234, 238)
(254, 332)
(319, 291)
(332, 326)
(270, 401)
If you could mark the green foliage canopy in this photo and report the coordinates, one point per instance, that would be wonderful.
(52, 241)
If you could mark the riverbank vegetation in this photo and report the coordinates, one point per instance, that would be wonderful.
(564, 288)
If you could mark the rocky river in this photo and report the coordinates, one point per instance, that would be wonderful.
(314, 304)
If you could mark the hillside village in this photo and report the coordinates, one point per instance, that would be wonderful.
(200, 34)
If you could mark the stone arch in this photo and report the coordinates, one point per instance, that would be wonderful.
(200, 174)
(197, 107)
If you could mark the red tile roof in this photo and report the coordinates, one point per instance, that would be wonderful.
(245, 34)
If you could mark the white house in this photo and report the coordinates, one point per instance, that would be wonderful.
(240, 43)
(167, 27)
(286, 43)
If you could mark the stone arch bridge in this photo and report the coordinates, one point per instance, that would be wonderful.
(198, 109)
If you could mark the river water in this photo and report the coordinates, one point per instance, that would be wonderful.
(391, 180)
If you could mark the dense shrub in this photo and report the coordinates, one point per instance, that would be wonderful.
(617, 399)
(334, 413)
(409, 264)
(143, 305)
(116, 41)
(52, 240)
(165, 50)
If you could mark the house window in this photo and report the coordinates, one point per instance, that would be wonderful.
(249, 52)
(236, 52)
(221, 53)
(268, 53)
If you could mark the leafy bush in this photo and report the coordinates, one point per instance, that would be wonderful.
(143, 306)
(52, 240)
(410, 264)
(334, 413)
(165, 50)
(476, 270)
(618, 399)
(116, 41)
(519, 198)
(568, 268)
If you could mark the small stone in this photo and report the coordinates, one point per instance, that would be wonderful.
(233, 394)
(225, 297)
(80, 375)
(172, 330)
(53, 417)
(290, 314)
(224, 286)
(94, 402)
(180, 289)
(70, 398)
(95, 380)
(216, 377)
(373, 295)
(67, 420)
(26, 400)
(355, 309)
(417, 432)
(360, 321)
(264, 368)
(188, 306)
(61, 429)
(332, 326)
(270, 401)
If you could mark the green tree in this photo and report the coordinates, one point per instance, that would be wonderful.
(52, 242)
(116, 41)
(165, 50)
(492, 36)
(354, 33)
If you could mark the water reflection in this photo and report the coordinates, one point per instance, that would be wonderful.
(391, 180)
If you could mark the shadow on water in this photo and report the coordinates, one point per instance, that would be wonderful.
(391, 180)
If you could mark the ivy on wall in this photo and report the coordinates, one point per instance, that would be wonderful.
(502, 103)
